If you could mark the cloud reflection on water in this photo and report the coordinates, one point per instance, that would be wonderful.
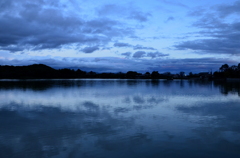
(118, 118)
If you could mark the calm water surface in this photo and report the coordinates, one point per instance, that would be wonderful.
(119, 118)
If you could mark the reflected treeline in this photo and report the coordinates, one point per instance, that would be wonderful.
(44, 84)
(227, 87)
(118, 118)
(38, 85)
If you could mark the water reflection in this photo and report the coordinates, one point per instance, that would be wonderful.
(118, 118)
(228, 87)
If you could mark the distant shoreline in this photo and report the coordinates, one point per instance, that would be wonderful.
(41, 71)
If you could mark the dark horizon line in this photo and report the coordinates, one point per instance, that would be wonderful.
(75, 69)
(45, 71)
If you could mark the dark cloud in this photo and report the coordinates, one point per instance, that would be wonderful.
(36, 25)
(90, 49)
(12, 48)
(217, 35)
(212, 46)
(122, 45)
(171, 18)
(139, 54)
(226, 10)
(121, 110)
(137, 47)
(139, 16)
(127, 54)
(210, 21)
(156, 54)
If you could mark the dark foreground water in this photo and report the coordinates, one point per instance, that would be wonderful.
(119, 119)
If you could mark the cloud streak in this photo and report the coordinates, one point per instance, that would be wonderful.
(143, 54)
(90, 49)
(135, 47)
(217, 35)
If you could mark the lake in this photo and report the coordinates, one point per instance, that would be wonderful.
(97, 118)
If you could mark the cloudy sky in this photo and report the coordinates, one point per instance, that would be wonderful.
(113, 36)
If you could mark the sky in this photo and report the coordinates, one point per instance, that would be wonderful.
(120, 36)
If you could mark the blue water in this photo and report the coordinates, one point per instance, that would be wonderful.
(119, 118)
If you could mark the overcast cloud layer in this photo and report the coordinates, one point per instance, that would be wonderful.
(103, 36)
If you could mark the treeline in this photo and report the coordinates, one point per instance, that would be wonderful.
(40, 71)
(46, 72)
(37, 71)
(226, 71)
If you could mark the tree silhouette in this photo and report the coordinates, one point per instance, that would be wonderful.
(224, 67)
(155, 74)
